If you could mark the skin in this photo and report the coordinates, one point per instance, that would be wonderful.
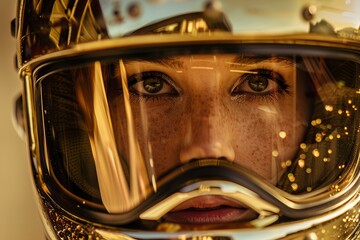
(249, 110)
(185, 118)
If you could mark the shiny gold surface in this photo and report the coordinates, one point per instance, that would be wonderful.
(345, 218)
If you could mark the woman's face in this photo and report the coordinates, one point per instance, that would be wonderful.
(246, 109)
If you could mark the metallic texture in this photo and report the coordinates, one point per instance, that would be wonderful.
(55, 25)
(63, 28)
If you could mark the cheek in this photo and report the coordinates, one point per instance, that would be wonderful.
(267, 136)
(164, 134)
(252, 139)
(158, 136)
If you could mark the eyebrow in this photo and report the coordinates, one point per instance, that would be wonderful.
(248, 59)
(170, 62)
(173, 63)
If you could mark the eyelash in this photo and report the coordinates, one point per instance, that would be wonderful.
(283, 87)
(141, 77)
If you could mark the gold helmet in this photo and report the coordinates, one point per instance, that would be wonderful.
(206, 119)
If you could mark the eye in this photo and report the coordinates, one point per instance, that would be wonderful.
(257, 83)
(260, 82)
(151, 83)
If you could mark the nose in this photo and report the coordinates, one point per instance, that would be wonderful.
(207, 133)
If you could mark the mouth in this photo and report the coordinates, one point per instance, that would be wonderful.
(209, 209)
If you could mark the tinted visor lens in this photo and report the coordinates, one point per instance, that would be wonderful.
(115, 127)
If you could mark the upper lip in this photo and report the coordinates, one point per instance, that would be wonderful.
(207, 202)
(209, 209)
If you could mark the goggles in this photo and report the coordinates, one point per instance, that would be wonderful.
(148, 133)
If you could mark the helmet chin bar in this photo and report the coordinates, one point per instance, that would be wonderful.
(267, 212)
(324, 226)
(233, 182)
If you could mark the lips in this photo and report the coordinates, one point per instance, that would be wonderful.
(209, 209)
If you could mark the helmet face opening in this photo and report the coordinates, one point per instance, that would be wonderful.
(119, 129)
(141, 125)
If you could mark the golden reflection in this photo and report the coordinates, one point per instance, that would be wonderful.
(291, 177)
(282, 134)
(301, 163)
(275, 153)
(329, 108)
(294, 186)
(303, 146)
(288, 163)
(316, 152)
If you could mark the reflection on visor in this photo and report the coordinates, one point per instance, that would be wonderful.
(108, 164)
(116, 130)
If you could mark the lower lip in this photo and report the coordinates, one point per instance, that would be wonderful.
(207, 216)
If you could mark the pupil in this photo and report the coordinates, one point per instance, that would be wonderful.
(258, 84)
(153, 85)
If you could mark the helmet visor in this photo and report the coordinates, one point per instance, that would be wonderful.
(116, 127)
